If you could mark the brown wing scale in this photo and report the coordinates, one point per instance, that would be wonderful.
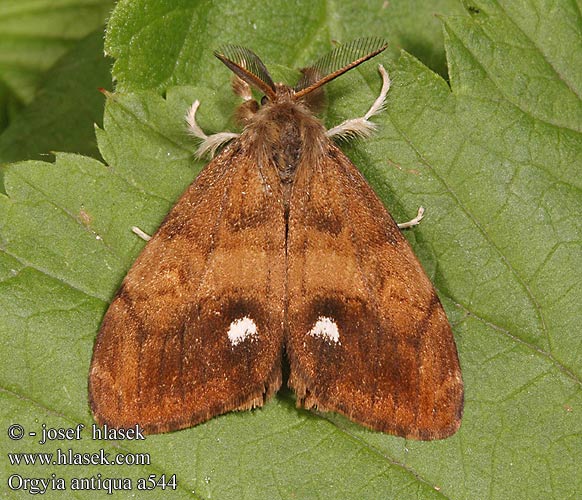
(163, 357)
(368, 336)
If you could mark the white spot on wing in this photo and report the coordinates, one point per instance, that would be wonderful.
(327, 328)
(242, 329)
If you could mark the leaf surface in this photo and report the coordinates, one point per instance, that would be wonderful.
(33, 35)
(62, 116)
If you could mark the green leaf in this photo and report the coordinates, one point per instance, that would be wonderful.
(187, 33)
(33, 35)
(494, 162)
(62, 116)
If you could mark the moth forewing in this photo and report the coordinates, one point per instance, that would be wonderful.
(279, 244)
(196, 329)
(386, 358)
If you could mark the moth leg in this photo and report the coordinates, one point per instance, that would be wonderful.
(143, 235)
(242, 88)
(363, 127)
(210, 143)
(413, 222)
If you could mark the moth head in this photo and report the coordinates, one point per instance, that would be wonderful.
(250, 72)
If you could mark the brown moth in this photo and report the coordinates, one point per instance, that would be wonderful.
(279, 247)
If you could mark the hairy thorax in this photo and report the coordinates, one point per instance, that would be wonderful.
(284, 134)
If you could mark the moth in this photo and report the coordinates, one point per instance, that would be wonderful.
(279, 250)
